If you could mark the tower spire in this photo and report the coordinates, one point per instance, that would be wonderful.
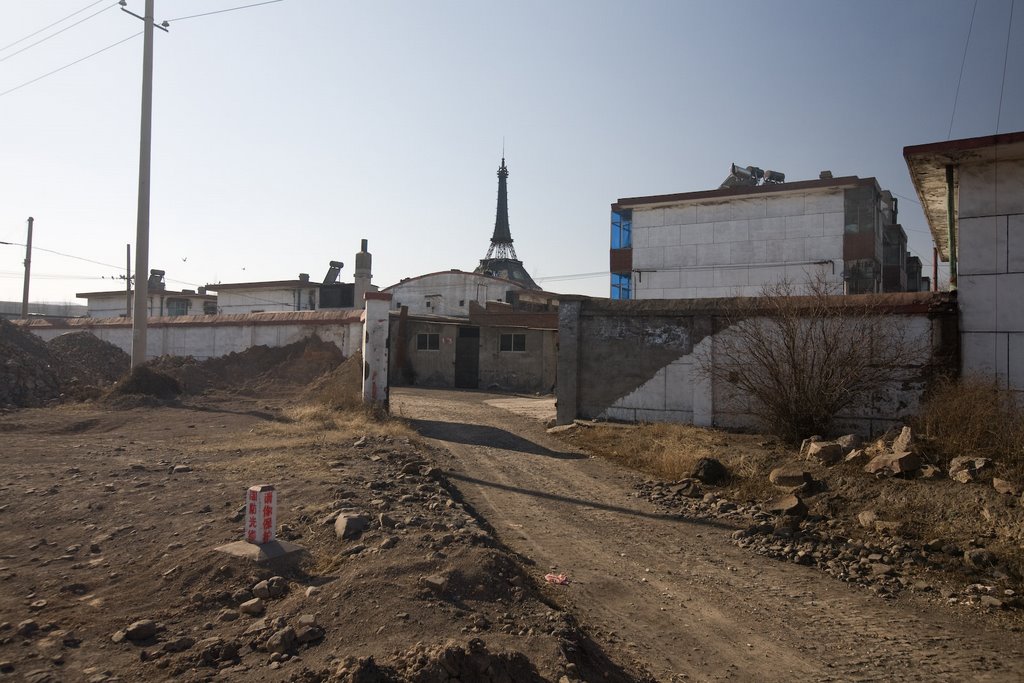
(501, 240)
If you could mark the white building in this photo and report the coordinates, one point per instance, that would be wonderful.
(982, 238)
(734, 240)
(449, 293)
(266, 297)
(118, 303)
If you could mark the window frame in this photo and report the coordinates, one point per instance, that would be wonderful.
(513, 346)
(428, 341)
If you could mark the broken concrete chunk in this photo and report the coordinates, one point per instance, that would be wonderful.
(849, 441)
(788, 505)
(966, 469)
(893, 463)
(826, 452)
(789, 476)
(904, 442)
(350, 526)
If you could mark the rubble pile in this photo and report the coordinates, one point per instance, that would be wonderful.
(28, 377)
(257, 368)
(866, 549)
(85, 359)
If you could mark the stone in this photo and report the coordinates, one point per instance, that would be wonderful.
(979, 558)
(806, 443)
(350, 526)
(144, 629)
(929, 472)
(893, 463)
(825, 452)
(867, 519)
(849, 441)
(904, 443)
(789, 476)
(389, 542)
(709, 471)
(434, 583)
(966, 469)
(309, 634)
(178, 644)
(274, 587)
(385, 521)
(261, 590)
(992, 602)
(788, 505)
(254, 607)
(1004, 487)
(283, 641)
(27, 628)
(181, 469)
(688, 488)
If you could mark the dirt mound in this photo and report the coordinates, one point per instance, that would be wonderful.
(256, 369)
(28, 377)
(147, 382)
(339, 388)
(440, 664)
(84, 359)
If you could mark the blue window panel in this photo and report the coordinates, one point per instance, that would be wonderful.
(621, 286)
(622, 229)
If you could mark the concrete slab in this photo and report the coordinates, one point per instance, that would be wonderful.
(275, 551)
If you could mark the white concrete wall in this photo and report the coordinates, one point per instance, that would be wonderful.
(991, 270)
(231, 301)
(211, 341)
(707, 249)
(680, 392)
(448, 293)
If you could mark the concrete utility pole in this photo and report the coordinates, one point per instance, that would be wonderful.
(142, 227)
(28, 268)
(128, 280)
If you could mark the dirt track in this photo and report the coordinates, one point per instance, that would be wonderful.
(673, 594)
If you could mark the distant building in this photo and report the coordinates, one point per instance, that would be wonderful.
(501, 260)
(162, 302)
(736, 239)
(300, 294)
(12, 310)
(972, 192)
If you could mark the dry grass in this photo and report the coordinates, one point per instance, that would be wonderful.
(670, 451)
(975, 418)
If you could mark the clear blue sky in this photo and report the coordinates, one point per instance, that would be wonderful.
(284, 134)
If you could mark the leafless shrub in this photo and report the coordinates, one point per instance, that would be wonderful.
(795, 357)
(975, 417)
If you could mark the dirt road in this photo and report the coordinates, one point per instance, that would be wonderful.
(672, 593)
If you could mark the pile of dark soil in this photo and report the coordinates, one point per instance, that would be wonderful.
(28, 377)
(145, 381)
(84, 359)
(256, 369)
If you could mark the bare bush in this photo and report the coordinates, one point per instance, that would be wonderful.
(795, 357)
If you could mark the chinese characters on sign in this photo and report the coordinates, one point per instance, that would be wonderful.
(260, 514)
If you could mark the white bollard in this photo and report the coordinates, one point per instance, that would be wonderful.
(260, 514)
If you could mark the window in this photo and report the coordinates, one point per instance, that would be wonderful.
(462, 302)
(622, 229)
(209, 308)
(622, 286)
(513, 342)
(428, 341)
(177, 307)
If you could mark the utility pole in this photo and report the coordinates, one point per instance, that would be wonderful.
(141, 312)
(28, 268)
(128, 281)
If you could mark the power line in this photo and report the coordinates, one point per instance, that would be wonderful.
(77, 61)
(1006, 54)
(54, 35)
(222, 11)
(963, 61)
(36, 33)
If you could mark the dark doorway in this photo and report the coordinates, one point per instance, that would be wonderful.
(467, 358)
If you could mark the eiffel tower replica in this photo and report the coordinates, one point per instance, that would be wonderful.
(501, 260)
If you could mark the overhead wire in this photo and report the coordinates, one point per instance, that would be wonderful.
(963, 61)
(49, 26)
(66, 66)
(222, 11)
(1006, 55)
(54, 35)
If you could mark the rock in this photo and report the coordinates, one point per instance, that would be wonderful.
(254, 607)
(1004, 487)
(309, 634)
(867, 519)
(385, 521)
(854, 455)
(709, 471)
(880, 569)
(904, 443)
(979, 558)
(966, 469)
(826, 452)
(806, 443)
(144, 629)
(389, 542)
(892, 463)
(788, 505)
(27, 628)
(181, 469)
(283, 641)
(178, 644)
(992, 602)
(688, 488)
(849, 441)
(350, 526)
(929, 472)
(789, 476)
(274, 587)
(434, 583)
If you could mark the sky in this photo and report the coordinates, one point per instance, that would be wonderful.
(284, 134)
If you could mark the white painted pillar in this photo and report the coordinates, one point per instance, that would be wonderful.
(375, 348)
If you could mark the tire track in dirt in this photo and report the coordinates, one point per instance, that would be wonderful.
(674, 594)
